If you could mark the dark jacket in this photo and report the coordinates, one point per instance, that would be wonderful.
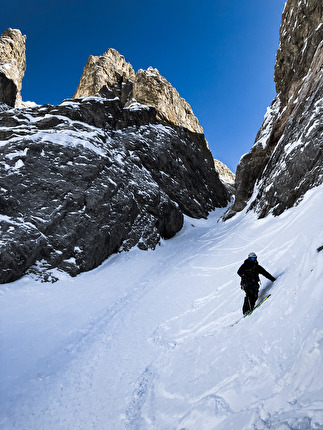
(250, 271)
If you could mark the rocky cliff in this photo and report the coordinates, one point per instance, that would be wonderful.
(286, 159)
(12, 66)
(96, 175)
(110, 75)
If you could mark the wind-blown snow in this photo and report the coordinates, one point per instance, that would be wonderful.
(148, 340)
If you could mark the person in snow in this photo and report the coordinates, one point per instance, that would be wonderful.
(249, 273)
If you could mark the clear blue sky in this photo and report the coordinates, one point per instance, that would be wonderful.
(218, 54)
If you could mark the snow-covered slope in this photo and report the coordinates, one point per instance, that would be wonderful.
(148, 340)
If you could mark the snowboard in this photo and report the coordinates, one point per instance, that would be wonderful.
(257, 306)
(249, 313)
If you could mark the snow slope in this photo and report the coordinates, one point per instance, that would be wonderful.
(148, 340)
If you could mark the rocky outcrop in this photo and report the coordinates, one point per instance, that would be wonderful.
(89, 178)
(107, 76)
(286, 159)
(301, 33)
(224, 172)
(225, 175)
(111, 76)
(150, 88)
(12, 66)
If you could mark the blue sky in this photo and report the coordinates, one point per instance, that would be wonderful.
(218, 54)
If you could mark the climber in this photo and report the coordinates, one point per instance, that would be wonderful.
(249, 273)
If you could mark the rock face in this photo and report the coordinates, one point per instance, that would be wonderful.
(8, 90)
(224, 172)
(107, 76)
(110, 75)
(286, 159)
(150, 88)
(91, 177)
(226, 176)
(301, 33)
(12, 66)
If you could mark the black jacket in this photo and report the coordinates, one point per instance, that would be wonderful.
(250, 271)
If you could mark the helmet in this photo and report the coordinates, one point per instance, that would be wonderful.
(252, 256)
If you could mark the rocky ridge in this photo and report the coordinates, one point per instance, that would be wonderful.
(110, 76)
(12, 66)
(286, 159)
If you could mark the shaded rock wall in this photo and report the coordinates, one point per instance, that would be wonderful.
(8, 90)
(301, 32)
(286, 159)
(89, 178)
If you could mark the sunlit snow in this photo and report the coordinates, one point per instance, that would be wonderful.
(148, 340)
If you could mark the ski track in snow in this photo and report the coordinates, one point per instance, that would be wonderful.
(148, 340)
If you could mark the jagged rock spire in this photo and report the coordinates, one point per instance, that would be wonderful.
(105, 75)
(12, 66)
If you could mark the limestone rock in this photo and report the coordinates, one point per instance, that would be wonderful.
(12, 66)
(286, 159)
(225, 175)
(108, 75)
(296, 164)
(224, 172)
(150, 88)
(8, 90)
(301, 32)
